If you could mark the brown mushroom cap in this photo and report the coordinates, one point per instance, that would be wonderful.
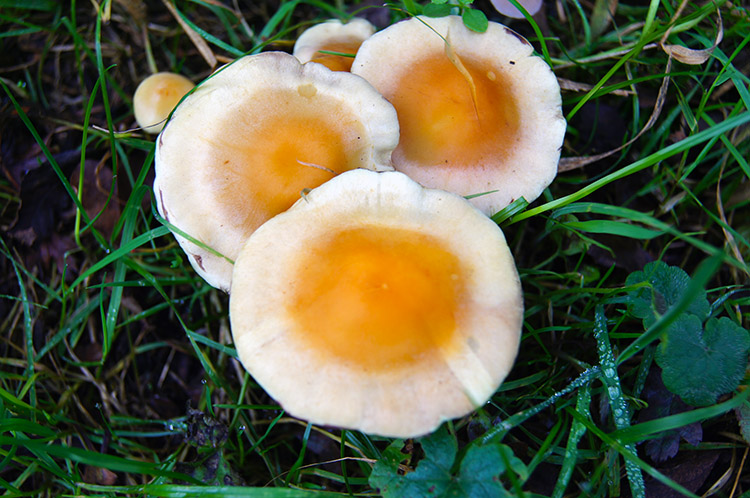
(378, 305)
(251, 139)
(155, 98)
(333, 36)
(478, 114)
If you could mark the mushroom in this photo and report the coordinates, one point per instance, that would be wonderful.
(252, 138)
(364, 307)
(508, 9)
(479, 113)
(155, 98)
(333, 36)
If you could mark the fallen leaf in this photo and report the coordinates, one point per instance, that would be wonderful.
(692, 56)
(98, 475)
(96, 198)
(663, 403)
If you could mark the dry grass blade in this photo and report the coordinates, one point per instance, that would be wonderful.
(575, 86)
(689, 55)
(730, 239)
(571, 163)
(197, 40)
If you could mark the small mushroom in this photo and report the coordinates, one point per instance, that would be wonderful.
(479, 113)
(251, 139)
(155, 98)
(364, 306)
(333, 36)
(508, 9)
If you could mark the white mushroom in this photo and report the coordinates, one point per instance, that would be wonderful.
(155, 98)
(249, 141)
(333, 36)
(478, 111)
(378, 305)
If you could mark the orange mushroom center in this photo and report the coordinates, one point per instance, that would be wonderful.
(337, 62)
(271, 156)
(444, 122)
(378, 297)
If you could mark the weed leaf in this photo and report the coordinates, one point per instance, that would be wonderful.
(481, 469)
(478, 475)
(475, 20)
(667, 284)
(700, 365)
(437, 10)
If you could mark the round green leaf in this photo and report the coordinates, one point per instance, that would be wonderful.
(475, 20)
(700, 365)
(437, 10)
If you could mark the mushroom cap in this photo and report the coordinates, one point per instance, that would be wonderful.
(251, 138)
(376, 304)
(508, 9)
(155, 98)
(482, 114)
(333, 36)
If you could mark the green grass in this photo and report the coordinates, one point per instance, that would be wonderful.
(108, 335)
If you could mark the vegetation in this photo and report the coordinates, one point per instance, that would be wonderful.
(118, 375)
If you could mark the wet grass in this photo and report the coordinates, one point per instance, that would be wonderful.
(118, 375)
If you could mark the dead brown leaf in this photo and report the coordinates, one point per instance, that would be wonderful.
(691, 56)
(571, 163)
(98, 475)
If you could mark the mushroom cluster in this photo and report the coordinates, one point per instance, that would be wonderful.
(355, 297)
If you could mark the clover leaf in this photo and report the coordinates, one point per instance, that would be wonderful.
(477, 476)
(700, 365)
(666, 286)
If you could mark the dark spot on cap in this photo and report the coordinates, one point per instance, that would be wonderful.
(520, 38)
(512, 62)
(199, 261)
